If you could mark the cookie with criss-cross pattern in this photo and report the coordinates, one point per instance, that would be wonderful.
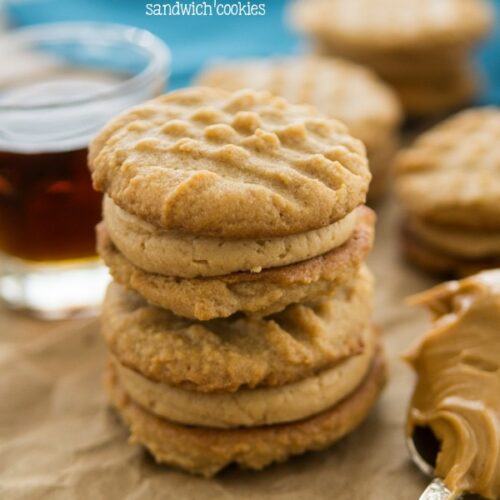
(298, 380)
(448, 183)
(451, 174)
(208, 162)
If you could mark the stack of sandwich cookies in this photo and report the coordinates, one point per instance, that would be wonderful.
(421, 47)
(339, 89)
(239, 322)
(448, 184)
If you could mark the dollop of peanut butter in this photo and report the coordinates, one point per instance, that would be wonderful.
(457, 395)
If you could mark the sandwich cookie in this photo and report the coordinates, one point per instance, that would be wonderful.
(422, 48)
(232, 353)
(448, 183)
(265, 292)
(197, 393)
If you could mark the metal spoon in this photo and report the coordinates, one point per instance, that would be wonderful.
(436, 490)
(424, 448)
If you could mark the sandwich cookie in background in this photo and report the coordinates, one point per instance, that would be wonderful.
(339, 89)
(422, 48)
(454, 414)
(448, 184)
(239, 325)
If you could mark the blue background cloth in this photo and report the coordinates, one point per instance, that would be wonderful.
(196, 40)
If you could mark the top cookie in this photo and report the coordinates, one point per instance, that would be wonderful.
(237, 165)
(451, 175)
(339, 89)
(389, 24)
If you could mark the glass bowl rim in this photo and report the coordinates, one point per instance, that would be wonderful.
(158, 51)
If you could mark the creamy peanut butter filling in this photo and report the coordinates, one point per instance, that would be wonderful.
(457, 394)
(463, 243)
(173, 253)
(251, 407)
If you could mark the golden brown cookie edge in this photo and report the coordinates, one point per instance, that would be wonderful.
(206, 451)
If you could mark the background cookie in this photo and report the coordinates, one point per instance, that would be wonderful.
(451, 174)
(393, 23)
(236, 165)
(396, 63)
(441, 263)
(423, 97)
(422, 48)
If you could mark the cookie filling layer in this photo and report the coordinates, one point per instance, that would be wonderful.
(251, 407)
(467, 244)
(176, 254)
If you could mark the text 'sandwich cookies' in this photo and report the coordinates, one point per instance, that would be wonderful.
(239, 325)
(448, 183)
(421, 47)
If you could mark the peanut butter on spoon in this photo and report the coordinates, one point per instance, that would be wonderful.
(456, 403)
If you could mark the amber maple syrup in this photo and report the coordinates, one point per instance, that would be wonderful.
(48, 209)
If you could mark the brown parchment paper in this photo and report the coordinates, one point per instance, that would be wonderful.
(59, 439)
